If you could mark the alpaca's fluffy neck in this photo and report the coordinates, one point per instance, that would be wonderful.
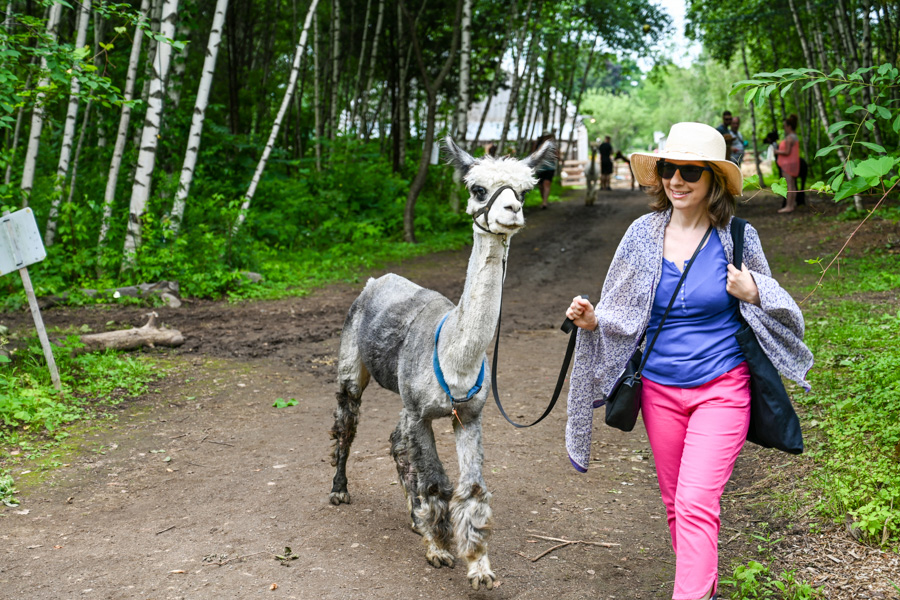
(470, 326)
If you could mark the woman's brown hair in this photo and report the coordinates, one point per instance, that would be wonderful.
(720, 203)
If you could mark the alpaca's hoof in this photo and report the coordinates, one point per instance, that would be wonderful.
(439, 558)
(480, 574)
(339, 498)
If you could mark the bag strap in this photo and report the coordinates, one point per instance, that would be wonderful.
(737, 236)
(684, 273)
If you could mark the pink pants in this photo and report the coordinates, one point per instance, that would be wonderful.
(696, 435)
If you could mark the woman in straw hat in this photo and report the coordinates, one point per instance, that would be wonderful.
(696, 396)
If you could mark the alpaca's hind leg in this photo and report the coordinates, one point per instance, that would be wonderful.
(431, 495)
(352, 380)
(470, 507)
(406, 474)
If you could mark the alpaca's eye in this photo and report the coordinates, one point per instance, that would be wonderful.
(479, 192)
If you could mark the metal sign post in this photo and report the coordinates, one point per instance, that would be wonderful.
(20, 246)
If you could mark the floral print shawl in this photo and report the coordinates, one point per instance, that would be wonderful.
(624, 312)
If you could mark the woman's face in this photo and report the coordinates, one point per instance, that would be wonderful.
(685, 195)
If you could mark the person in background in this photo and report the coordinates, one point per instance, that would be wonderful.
(696, 383)
(788, 157)
(545, 175)
(606, 164)
(725, 127)
(737, 142)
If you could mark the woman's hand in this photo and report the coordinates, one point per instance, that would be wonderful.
(741, 285)
(582, 314)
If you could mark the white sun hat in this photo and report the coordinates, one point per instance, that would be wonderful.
(693, 142)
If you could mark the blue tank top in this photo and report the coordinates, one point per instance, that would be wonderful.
(696, 343)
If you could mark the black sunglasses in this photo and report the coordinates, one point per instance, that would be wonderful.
(690, 173)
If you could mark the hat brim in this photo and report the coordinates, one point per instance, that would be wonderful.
(644, 166)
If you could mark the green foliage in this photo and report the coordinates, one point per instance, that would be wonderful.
(856, 384)
(282, 403)
(8, 489)
(754, 581)
(30, 404)
(867, 165)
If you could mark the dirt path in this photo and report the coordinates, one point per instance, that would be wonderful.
(193, 489)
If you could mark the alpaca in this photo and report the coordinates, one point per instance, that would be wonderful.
(390, 334)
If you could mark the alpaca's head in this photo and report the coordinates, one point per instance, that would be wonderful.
(484, 176)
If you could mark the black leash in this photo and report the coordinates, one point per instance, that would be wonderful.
(568, 327)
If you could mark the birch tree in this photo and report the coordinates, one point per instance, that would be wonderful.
(37, 115)
(140, 191)
(364, 100)
(115, 164)
(65, 153)
(465, 50)
(193, 145)
(273, 135)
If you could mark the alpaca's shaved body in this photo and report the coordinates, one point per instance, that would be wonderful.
(389, 336)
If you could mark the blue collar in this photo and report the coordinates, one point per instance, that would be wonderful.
(440, 374)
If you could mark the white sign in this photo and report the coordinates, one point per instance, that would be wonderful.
(20, 241)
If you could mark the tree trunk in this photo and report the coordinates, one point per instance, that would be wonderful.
(498, 73)
(136, 337)
(462, 109)
(587, 70)
(317, 96)
(431, 89)
(37, 115)
(817, 94)
(286, 101)
(156, 7)
(16, 133)
(179, 65)
(99, 30)
(143, 176)
(116, 164)
(357, 86)
(514, 83)
(364, 99)
(759, 173)
(65, 153)
(84, 127)
(194, 137)
(335, 68)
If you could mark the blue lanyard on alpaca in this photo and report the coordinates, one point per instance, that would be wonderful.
(439, 373)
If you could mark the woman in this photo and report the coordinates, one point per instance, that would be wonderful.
(696, 396)
(788, 157)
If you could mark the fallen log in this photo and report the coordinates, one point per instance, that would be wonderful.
(129, 339)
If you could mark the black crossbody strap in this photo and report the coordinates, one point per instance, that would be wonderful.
(737, 236)
(672, 301)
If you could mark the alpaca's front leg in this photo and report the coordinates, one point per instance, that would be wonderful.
(470, 508)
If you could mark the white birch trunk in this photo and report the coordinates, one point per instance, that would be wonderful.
(288, 94)
(193, 146)
(37, 115)
(152, 45)
(116, 164)
(143, 176)
(335, 65)
(65, 153)
(462, 110)
(514, 84)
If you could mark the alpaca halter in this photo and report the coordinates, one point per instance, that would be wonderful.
(484, 210)
(439, 373)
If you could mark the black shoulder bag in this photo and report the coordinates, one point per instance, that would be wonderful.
(624, 401)
(773, 421)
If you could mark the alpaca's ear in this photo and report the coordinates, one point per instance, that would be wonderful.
(545, 156)
(461, 160)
